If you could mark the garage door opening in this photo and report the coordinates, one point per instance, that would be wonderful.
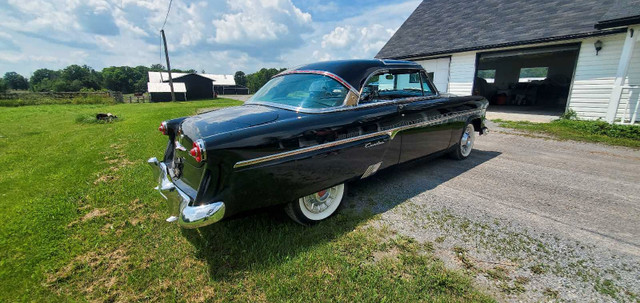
(535, 81)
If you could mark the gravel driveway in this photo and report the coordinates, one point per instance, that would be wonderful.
(532, 219)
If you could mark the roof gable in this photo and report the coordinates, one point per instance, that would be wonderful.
(444, 26)
(165, 88)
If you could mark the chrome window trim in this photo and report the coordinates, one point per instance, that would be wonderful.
(319, 72)
(392, 132)
(358, 94)
(298, 109)
(344, 108)
(386, 70)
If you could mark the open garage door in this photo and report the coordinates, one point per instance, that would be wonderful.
(527, 80)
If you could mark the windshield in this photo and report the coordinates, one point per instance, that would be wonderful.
(302, 91)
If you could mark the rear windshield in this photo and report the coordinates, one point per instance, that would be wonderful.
(302, 91)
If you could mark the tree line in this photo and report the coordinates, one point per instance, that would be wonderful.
(256, 80)
(125, 79)
(75, 78)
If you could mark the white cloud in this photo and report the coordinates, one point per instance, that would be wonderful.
(219, 36)
(105, 41)
(252, 22)
(349, 42)
(320, 56)
(340, 37)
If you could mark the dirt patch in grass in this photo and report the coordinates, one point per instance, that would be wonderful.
(387, 254)
(119, 164)
(111, 266)
(98, 212)
(105, 179)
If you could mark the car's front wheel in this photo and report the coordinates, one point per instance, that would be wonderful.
(317, 206)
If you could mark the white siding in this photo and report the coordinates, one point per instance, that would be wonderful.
(594, 76)
(631, 94)
(440, 69)
(462, 71)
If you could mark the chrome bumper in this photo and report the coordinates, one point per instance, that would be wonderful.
(179, 203)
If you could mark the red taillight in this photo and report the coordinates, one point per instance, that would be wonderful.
(198, 151)
(163, 128)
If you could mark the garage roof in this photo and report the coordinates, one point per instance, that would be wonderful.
(449, 26)
(178, 87)
(159, 77)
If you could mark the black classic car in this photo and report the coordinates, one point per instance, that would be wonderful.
(305, 134)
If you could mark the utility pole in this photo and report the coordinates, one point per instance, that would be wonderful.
(166, 54)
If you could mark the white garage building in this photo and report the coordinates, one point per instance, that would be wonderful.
(553, 55)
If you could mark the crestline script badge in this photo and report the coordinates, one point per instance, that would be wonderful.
(372, 144)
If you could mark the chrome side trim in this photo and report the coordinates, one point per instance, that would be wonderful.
(179, 203)
(307, 149)
(391, 132)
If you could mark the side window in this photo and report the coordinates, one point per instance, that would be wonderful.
(428, 91)
(389, 86)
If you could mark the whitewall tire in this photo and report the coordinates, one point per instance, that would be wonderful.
(317, 206)
(463, 148)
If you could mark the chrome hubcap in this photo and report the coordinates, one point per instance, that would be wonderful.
(466, 143)
(320, 201)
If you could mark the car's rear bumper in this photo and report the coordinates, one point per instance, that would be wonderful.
(180, 204)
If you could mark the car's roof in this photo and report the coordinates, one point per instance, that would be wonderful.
(355, 72)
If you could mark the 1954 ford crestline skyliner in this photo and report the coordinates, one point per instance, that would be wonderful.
(304, 135)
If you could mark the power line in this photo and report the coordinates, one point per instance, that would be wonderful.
(167, 16)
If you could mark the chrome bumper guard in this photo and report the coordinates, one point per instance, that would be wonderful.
(179, 202)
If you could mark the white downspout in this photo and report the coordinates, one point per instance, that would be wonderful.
(621, 74)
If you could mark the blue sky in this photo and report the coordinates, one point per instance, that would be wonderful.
(217, 36)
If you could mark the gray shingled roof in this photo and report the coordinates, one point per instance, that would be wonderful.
(621, 10)
(447, 26)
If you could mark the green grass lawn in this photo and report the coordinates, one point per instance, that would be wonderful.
(579, 130)
(79, 221)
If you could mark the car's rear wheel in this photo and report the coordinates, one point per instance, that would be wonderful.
(317, 206)
(463, 149)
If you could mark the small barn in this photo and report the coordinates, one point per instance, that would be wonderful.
(199, 86)
(161, 92)
(530, 56)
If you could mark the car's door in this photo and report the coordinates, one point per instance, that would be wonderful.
(346, 144)
(426, 131)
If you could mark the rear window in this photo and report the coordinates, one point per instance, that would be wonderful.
(395, 85)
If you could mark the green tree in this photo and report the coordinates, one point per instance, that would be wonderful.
(256, 80)
(14, 80)
(240, 78)
(42, 79)
(119, 78)
(141, 78)
(157, 68)
(78, 77)
(3, 86)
